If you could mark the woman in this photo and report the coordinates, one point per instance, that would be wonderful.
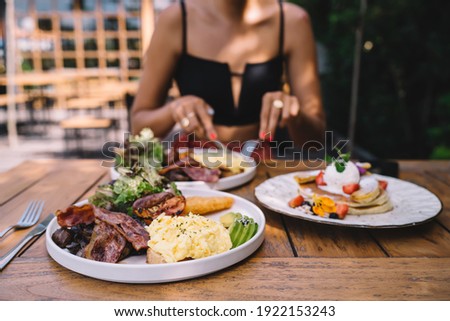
(227, 58)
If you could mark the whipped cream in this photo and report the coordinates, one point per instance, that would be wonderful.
(367, 185)
(335, 180)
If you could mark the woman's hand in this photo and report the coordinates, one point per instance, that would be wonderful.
(277, 109)
(194, 115)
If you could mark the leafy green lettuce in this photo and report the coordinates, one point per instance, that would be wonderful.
(120, 194)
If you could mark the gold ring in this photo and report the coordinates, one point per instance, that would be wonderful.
(185, 122)
(278, 104)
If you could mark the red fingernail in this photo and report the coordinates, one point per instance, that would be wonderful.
(212, 136)
(270, 138)
(262, 135)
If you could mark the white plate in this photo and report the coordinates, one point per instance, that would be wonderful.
(223, 183)
(413, 204)
(135, 270)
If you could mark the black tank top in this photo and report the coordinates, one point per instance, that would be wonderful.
(211, 81)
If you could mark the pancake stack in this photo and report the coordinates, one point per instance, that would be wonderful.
(370, 198)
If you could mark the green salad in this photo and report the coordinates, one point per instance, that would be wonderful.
(143, 150)
(119, 195)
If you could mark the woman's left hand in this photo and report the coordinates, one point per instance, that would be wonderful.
(277, 108)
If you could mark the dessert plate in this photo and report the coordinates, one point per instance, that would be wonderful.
(412, 203)
(134, 269)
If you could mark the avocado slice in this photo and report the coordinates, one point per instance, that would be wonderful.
(235, 231)
(244, 234)
(229, 218)
(241, 229)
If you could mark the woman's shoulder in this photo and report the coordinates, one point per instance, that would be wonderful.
(295, 14)
(297, 26)
(171, 17)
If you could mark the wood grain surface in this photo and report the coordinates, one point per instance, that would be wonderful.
(256, 278)
(20, 178)
(298, 260)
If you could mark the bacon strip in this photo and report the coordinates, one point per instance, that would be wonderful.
(112, 231)
(106, 244)
(76, 215)
(125, 225)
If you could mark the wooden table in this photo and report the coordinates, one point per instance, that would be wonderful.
(298, 260)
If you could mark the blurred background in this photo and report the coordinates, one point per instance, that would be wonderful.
(403, 105)
(384, 68)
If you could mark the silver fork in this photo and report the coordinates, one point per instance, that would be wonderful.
(29, 217)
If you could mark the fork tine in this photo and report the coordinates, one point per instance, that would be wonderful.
(37, 213)
(32, 214)
(27, 212)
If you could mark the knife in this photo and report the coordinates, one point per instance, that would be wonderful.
(38, 230)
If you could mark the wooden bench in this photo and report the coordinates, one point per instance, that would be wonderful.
(18, 99)
(86, 104)
(74, 126)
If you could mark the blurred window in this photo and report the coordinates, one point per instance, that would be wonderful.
(90, 44)
(113, 63)
(66, 24)
(110, 5)
(27, 64)
(65, 5)
(45, 24)
(91, 62)
(111, 24)
(27, 24)
(68, 44)
(133, 44)
(134, 63)
(48, 64)
(87, 5)
(133, 23)
(21, 6)
(89, 24)
(53, 33)
(112, 44)
(43, 5)
(69, 63)
(132, 5)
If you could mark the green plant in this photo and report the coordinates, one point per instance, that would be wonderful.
(404, 98)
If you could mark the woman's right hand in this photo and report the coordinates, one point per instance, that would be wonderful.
(194, 116)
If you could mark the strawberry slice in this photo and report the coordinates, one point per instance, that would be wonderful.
(319, 179)
(341, 210)
(382, 184)
(350, 188)
(296, 201)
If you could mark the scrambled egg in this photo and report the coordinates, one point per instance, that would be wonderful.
(193, 236)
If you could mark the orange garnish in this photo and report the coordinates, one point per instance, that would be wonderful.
(323, 205)
(318, 210)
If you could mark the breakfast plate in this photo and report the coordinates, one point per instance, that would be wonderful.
(249, 171)
(412, 204)
(134, 269)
